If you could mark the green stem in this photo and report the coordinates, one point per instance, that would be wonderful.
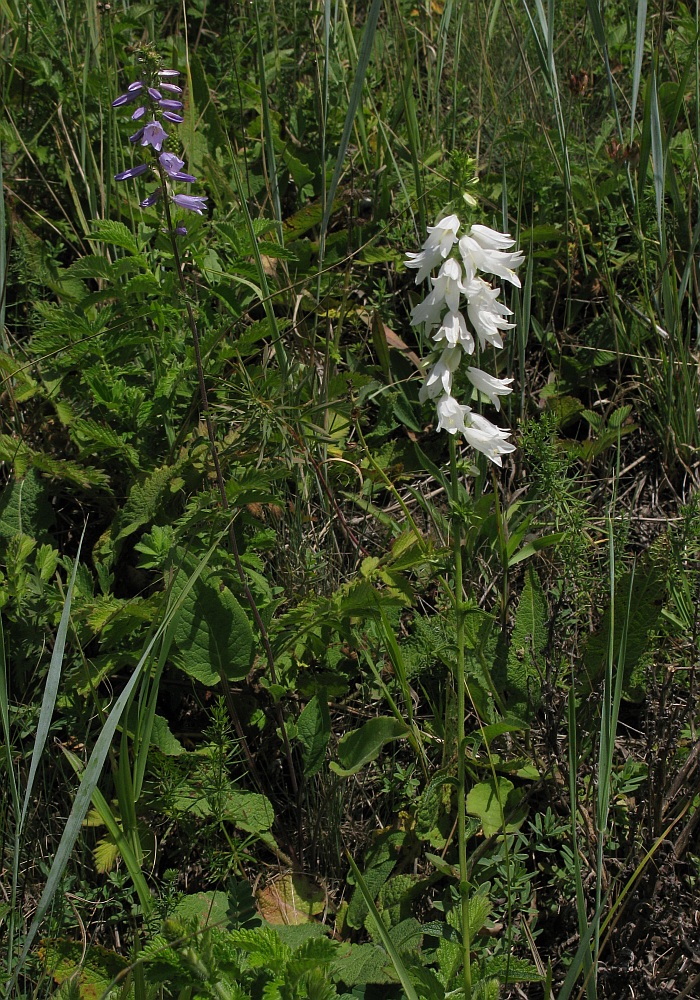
(461, 708)
(206, 412)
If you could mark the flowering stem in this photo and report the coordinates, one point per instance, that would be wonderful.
(206, 411)
(461, 708)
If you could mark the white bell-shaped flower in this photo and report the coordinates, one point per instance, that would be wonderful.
(439, 378)
(441, 239)
(490, 386)
(447, 289)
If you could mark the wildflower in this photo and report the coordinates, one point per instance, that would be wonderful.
(136, 171)
(454, 331)
(440, 241)
(486, 313)
(194, 203)
(125, 99)
(446, 289)
(154, 135)
(481, 249)
(485, 437)
(490, 386)
(451, 415)
(439, 379)
(152, 198)
(181, 230)
(479, 258)
(170, 163)
(170, 167)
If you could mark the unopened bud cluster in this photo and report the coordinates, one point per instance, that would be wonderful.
(159, 100)
(481, 249)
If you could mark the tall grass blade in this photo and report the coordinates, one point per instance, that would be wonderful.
(14, 792)
(638, 59)
(50, 690)
(271, 160)
(355, 98)
(93, 770)
(657, 158)
(396, 959)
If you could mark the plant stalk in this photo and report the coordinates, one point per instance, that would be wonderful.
(206, 411)
(461, 708)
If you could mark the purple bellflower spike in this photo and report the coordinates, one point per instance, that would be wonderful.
(172, 117)
(134, 87)
(170, 105)
(152, 198)
(172, 87)
(168, 72)
(181, 230)
(193, 203)
(153, 135)
(139, 113)
(136, 171)
(136, 136)
(154, 94)
(171, 163)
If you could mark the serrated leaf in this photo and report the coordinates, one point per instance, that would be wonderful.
(105, 854)
(213, 635)
(25, 507)
(313, 732)
(528, 641)
(645, 604)
(116, 233)
(163, 739)
(144, 501)
(91, 266)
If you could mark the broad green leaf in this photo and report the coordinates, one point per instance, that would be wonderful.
(207, 907)
(492, 802)
(213, 635)
(163, 739)
(360, 746)
(313, 731)
(25, 507)
(645, 604)
(249, 811)
(292, 899)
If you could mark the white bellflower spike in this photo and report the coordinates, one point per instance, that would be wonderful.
(490, 386)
